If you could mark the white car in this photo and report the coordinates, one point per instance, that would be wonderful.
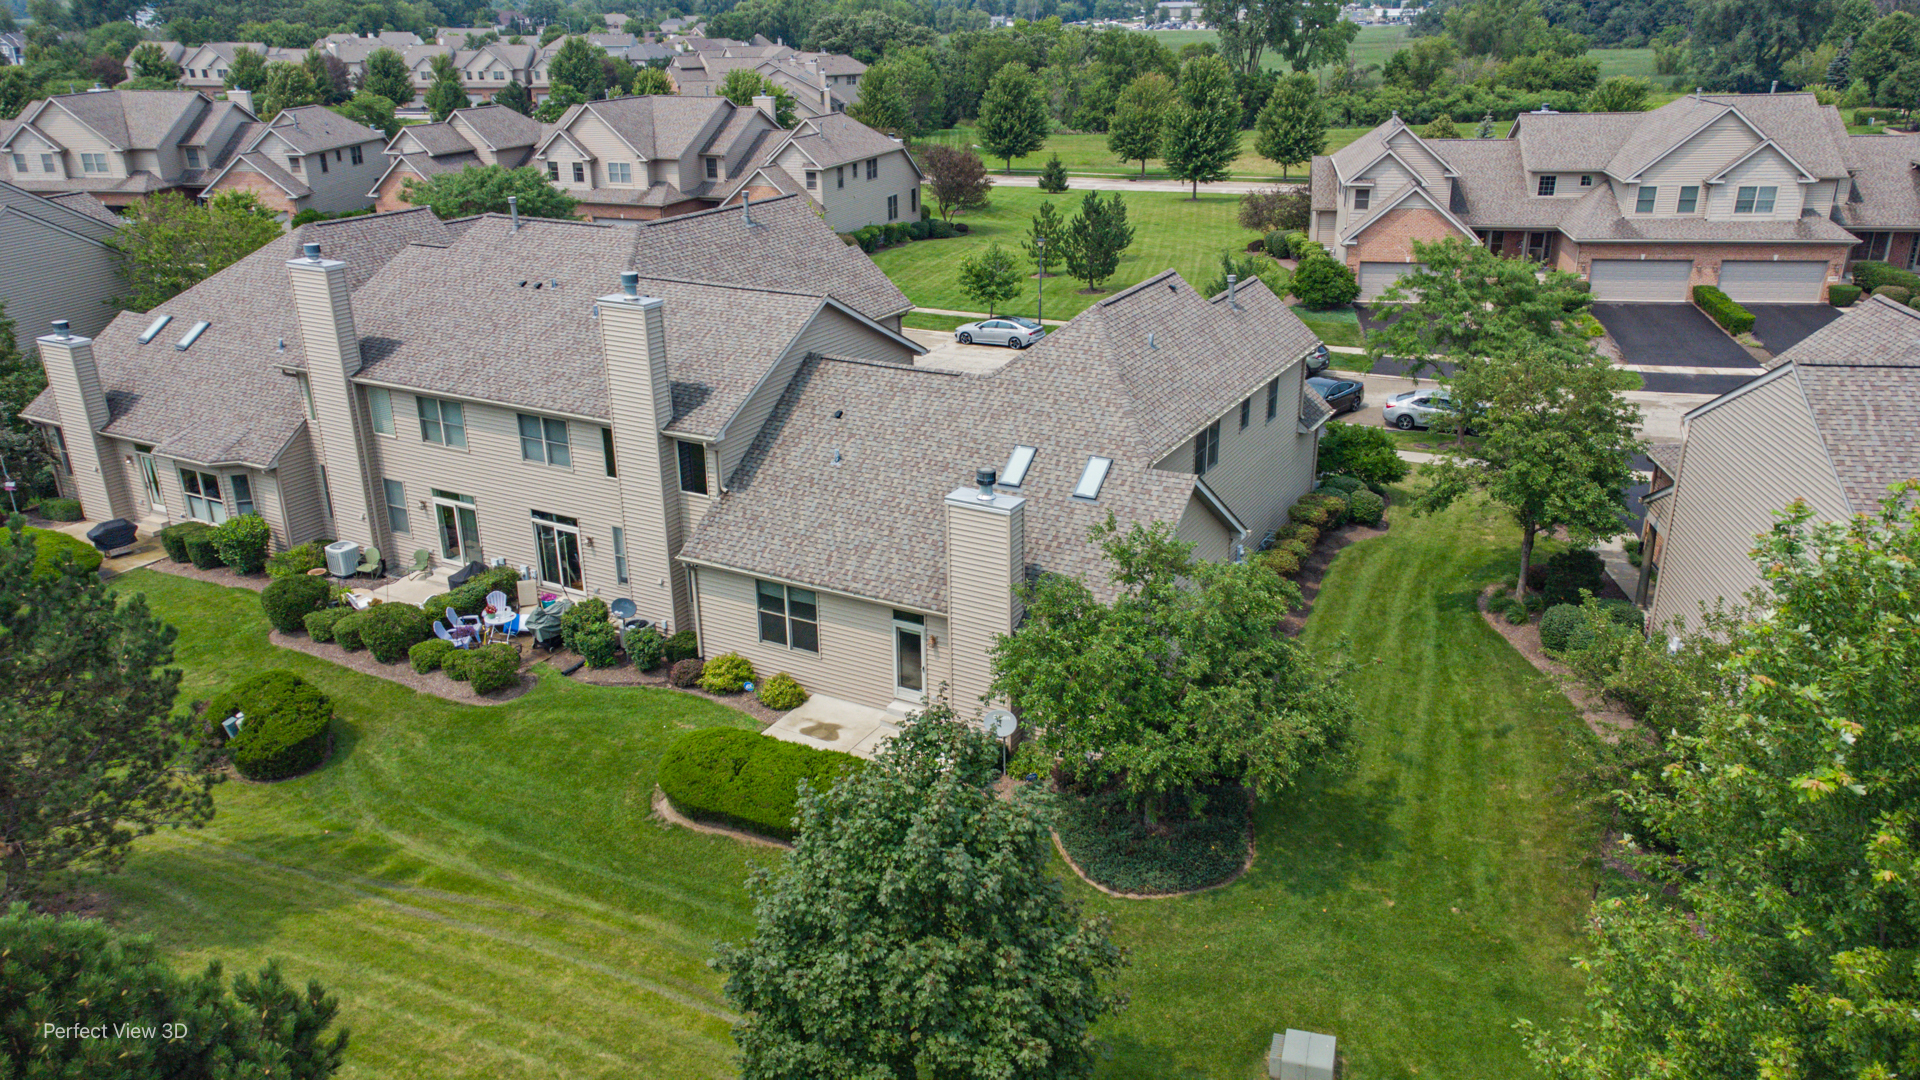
(1013, 333)
(1416, 408)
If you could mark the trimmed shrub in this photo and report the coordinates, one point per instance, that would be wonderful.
(682, 646)
(471, 598)
(1336, 507)
(1363, 451)
(1568, 572)
(492, 667)
(728, 673)
(597, 643)
(1842, 295)
(298, 559)
(1281, 560)
(1345, 485)
(1899, 294)
(1308, 511)
(940, 230)
(1557, 626)
(1297, 548)
(286, 726)
(685, 674)
(63, 510)
(320, 623)
(730, 776)
(52, 549)
(1297, 243)
(241, 543)
(1870, 274)
(590, 612)
(1181, 850)
(1722, 309)
(173, 538)
(390, 630)
(1275, 244)
(346, 632)
(428, 655)
(289, 600)
(783, 692)
(1306, 534)
(1321, 283)
(201, 552)
(646, 648)
(455, 664)
(1366, 508)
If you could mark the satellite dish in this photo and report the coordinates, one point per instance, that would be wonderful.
(1000, 723)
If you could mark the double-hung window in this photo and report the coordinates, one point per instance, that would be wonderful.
(46, 163)
(579, 172)
(203, 496)
(713, 168)
(1273, 399)
(19, 163)
(359, 157)
(693, 467)
(1689, 199)
(553, 171)
(789, 616)
(619, 172)
(873, 168)
(93, 163)
(396, 506)
(1362, 198)
(1644, 204)
(545, 441)
(840, 176)
(380, 407)
(1246, 413)
(293, 163)
(1755, 200)
(813, 180)
(442, 422)
(193, 158)
(1206, 449)
(893, 207)
(242, 494)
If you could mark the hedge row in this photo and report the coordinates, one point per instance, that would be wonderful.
(1871, 274)
(730, 776)
(286, 726)
(1721, 308)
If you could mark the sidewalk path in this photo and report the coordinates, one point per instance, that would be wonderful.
(1121, 183)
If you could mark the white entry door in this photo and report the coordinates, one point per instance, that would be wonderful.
(149, 477)
(909, 657)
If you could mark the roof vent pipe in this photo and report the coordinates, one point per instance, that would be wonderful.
(630, 282)
(986, 479)
(1233, 301)
(1152, 344)
(513, 207)
(60, 328)
(312, 252)
(746, 209)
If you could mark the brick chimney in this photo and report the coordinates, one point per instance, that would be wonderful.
(633, 342)
(75, 382)
(986, 559)
(343, 430)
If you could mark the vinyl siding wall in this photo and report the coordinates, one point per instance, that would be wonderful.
(1768, 169)
(596, 138)
(986, 556)
(1745, 460)
(1711, 149)
(50, 273)
(1212, 539)
(855, 662)
(302, 503)
(1410, 149)
(344, 186)
(1263, 469)
(862, 202)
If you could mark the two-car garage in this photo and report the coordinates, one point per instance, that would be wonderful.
(1783, 282)
(1747, 281)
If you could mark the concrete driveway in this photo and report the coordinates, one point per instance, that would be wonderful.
(949, 355)
(1782, 326)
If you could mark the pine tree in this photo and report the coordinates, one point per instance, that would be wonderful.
(1053, 178)
(1292, 127)
(1013, 116)
(1201, 138)
(1096, 238)
(1134, 132)
(515, 97)
(1047, 227)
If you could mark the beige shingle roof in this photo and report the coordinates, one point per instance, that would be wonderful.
(657, 126)
(130, 120)
(435, 139)
(501, 127)
(1886, 187)
(84, 203)
(799, 252)
(311, 129)
(835, 139)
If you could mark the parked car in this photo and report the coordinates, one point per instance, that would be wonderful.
(1318, 359)
(1013, 333)
(1417, 408)
(1345, 395)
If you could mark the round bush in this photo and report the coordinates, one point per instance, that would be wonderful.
(286, 726)
(686, 673)
(241, 542)
(1298, 549)
(681, 646)
(52, 549)
(598, 643)
(1306, 534)
(1564, 575)
(428, 655)
(1557, 626)
(289, 600)
(742, 778)
(173, 538)
(492, 667)
(590, 612)
(728, 673)
(1343, 484)
(1281, 560)
(298, 559)
(1275, 245)
(60, 509)
(389, 630)
(1321, 283)
(783, 692)
(455, 664)
(320, 623)
(346, 632)
(201, 552)
(1366, 507)
(1899, 294)
(646, 648)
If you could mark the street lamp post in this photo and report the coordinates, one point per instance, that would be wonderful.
(1040, 305)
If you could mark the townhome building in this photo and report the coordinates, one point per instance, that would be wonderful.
(730, 433)
(820, 83)
(57, 263)
(206, 67)
(484, 72)
(483, 135)
(640, 158)
(121, 146)
(1833, 423)
(1763, 195)
(13, 48)
(306, 158)
(857, 176)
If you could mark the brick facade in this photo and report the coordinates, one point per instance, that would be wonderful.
(1707, 258)
(1390, 237)
(386, 197)
(270, 194)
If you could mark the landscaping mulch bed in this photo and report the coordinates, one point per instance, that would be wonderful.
(1602, 717)
(402, 672)
(256, 582)
(628, 675)
(1314, 569)
(1110, 860)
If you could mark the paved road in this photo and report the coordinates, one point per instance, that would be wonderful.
(1118, 183)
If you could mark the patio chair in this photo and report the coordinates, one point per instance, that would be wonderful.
(358, 602)
(498, 599)
(422, 563)
(460, 641)
(454, 618)
(369, 563)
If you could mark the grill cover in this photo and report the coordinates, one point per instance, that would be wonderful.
(109, 535)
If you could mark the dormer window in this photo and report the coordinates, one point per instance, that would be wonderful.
(1644, 205)
(1362, 197)
(1586, 181)
(1547, 184)
(293, 163)
(713, 168)
(193, 158)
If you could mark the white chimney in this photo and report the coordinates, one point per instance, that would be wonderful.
(75, 383)
(633, 343)
(324, 308)
(242, 98)
(766, 104)
(986, 559)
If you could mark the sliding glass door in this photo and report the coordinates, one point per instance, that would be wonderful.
(558, 541)
(459, 528)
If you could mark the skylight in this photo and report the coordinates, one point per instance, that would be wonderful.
(1092, 478)
(193, 335)
(1017, 465)
(153, 328)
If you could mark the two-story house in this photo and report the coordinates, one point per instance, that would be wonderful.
(58, 262)
(306, 158)
(121, 145)
(483, 135)
(728, 434)
(13, 48)
(1755, 193)
(820, 83)
(857, 176)
(654, 156)
(205, 67)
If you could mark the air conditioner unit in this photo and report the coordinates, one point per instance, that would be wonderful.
(343, 558)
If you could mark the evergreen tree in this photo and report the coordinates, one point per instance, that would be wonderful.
(388, 77)
(516, 97)
(1096, 238)
(990, 278)
(248, 71)
(1134, 132)
(1202, 134)
(22, 377)
(328, 75)
(968, 959)
(1013, 118)
(1293, 127)
(1047, 235)
(1053, 178)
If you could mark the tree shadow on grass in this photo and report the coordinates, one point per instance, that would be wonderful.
(1127, 1058)
(1313, 840)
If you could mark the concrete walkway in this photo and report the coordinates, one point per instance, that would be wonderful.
(1119, 183)
(832, 724)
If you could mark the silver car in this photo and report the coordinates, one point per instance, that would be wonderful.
(1417, 408)
(1013, 333)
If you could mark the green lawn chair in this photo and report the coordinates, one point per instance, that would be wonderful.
(369, 563)
(422, 562)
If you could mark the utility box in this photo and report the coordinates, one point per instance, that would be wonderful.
(343, 558)
(1301, 1055)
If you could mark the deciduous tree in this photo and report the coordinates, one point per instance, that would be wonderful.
(22, 377)
(288, 86)
(446, 96)
(1362, 451)
(388, 77)
(371, 110)
(170, 242)
(957, 178)
(247, 71)
(1463, 301)
(329, 75)
(1621, 93)
(1743, 45)
(742, 85)
(649, 81)
(1013, 117)
(1201, 138)
(1306, 33)
(517, 97)
(577, 64)
(150, 62)
(483, 189)
(1096, 238)
(990, 278)
(1134, 133)
(1292, 127)
(908, 78)
(965, 957)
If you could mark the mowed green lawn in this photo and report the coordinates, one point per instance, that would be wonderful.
(483, 889)
(1169, 230)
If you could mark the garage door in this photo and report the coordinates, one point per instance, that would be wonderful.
(1773, 282)
(1656, 281)
(1376, 277)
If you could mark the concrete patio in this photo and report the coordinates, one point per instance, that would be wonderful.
(827, 723)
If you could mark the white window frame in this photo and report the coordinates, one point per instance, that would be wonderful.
(193, 485)
(548, 528)
(784, 617)
(619, 172)
(1646, 198)
(439, 434)
(398, 519)
(93, 164)
(549, 444)
(242, 504)
(380, 408)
